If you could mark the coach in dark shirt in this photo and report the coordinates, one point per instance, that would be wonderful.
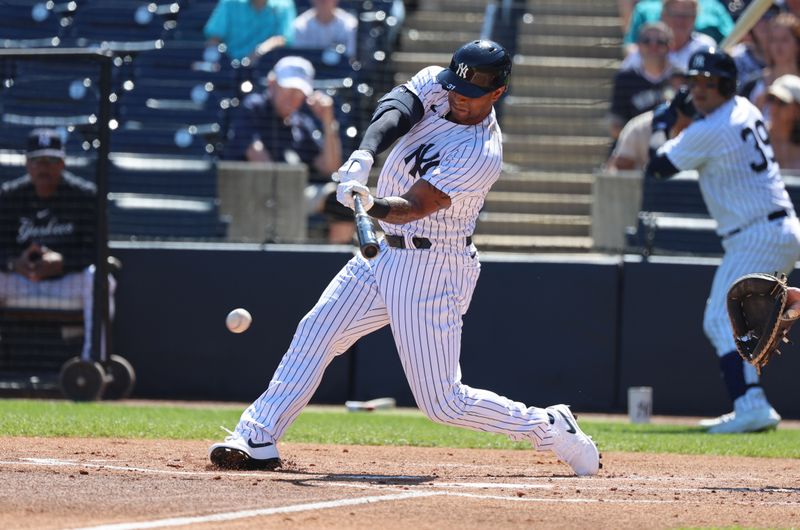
(48, 234)
(47, 217)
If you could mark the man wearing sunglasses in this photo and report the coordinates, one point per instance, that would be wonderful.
(743, 189)
(47, 234)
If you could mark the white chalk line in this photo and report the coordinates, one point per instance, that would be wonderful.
(245, 514)
(582, 483)
(363, 482)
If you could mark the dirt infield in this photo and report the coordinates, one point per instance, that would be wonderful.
(129, 484)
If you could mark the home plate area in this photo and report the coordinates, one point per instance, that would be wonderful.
(137, 484)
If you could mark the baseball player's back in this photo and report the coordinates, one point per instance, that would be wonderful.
(739, 178)
(743, 190)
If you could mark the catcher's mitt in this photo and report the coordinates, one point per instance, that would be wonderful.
(757, 306)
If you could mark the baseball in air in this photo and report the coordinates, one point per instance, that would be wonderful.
(238, 320)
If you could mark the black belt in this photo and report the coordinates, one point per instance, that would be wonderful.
(771, 217)
(419, 242)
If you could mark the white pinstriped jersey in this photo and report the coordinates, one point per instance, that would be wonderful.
(739, 178)
(462, 161)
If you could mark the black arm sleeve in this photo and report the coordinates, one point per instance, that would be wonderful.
(660, 167)
(396, 113)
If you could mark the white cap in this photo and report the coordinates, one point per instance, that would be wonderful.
(786, 88)
(295, 72)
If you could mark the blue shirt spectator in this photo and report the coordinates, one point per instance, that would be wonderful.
(251, 27)
(713, 18)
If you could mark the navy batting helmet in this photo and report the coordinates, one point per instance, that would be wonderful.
(714, 62)
(477, 68)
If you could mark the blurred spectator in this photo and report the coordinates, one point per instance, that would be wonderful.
(251, 28)
(631, 151)
(752, 53)
(625, 9)
(784, 54)
(783, 98)
(326, 25)
(48, 235)
(709, 17)
(792, 6)
(680, 16)
(292, 123)
(641, 87)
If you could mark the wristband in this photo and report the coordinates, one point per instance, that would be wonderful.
(380, 209)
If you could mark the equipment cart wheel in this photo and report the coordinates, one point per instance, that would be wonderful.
(82, 380)
(122, 378)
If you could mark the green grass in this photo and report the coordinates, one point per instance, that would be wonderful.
(335, 425)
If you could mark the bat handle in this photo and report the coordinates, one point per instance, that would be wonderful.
(367, 240)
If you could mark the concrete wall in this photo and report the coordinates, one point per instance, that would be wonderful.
(577, 330)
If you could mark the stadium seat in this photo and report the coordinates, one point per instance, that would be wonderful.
(192, 19)
(183, 141)
(48, 101)
(150, 175)
(660, 233)
(166, 217)
(32, 23)
(673, 219)
(98, 21)
(167, 103)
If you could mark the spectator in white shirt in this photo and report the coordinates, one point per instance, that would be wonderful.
(326, 25)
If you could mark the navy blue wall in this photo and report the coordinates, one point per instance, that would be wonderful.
(663, 344)
(538, 331)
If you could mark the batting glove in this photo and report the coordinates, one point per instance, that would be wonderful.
(345, 191)
(356, 168)
(664, 118)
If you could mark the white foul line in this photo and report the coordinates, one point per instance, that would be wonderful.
(243, 514)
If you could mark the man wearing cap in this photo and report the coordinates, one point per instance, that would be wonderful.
(447, 154)
(744, 192)
(47, 234)
(783, 98)
(293, 123)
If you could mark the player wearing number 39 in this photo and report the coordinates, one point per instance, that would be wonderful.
(742, 187)
(430, 191)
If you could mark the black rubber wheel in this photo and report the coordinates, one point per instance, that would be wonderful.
(122, 378)
(82, 380)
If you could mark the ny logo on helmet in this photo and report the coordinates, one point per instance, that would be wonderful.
(699, 61)
(462, 70)
(44, 140)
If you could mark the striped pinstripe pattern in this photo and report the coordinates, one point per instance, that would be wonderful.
(763, 247)
(470, 158)
(421, 294)
(724, 147)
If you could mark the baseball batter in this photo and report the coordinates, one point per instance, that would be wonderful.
(743, 190)
(430, 191)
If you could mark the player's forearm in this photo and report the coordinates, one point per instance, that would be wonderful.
(396, 210)
(420, 201)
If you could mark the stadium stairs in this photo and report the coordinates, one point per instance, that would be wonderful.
(552, 119)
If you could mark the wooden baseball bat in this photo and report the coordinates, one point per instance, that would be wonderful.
(745, 23)
(367, 240)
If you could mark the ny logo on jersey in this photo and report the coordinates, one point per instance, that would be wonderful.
(461, 71)
(421, 163)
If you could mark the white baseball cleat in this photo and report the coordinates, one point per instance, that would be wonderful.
(753, 420)
(236, 452)
(570, 444)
